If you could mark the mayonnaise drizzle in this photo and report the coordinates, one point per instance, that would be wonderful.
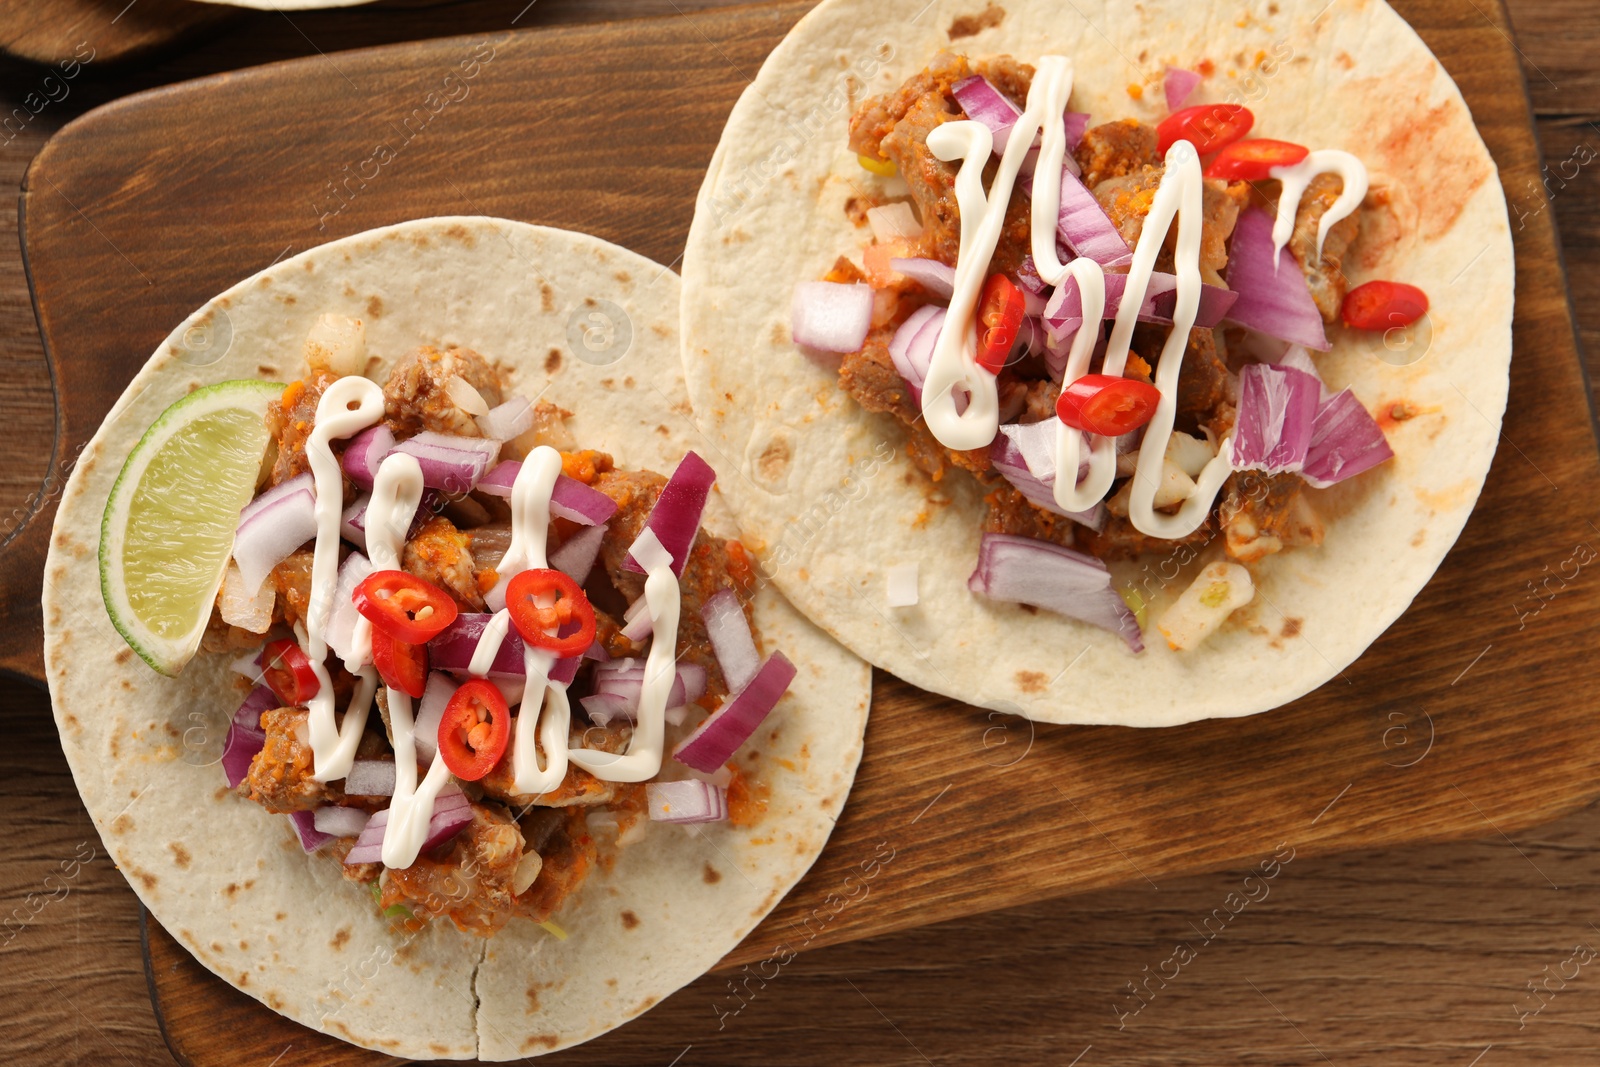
(1297, 177)
(396, 495)
(348, 406)
(1180, 195)
(642, 761)
(545, 710)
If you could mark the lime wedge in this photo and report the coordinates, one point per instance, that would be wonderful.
(168, 528)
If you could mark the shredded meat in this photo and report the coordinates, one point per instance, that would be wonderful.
(1009, 512)
(1262, 514)
(290, 419)
(280, 775)
(561, 837)
(1114, 149)
(1119, 540)
(472, 882)
(579, 788)
(353, 872)
(292, 581)
(1325, 276)
(488, 545)
(1127, 199)
(441, 554)
(895, 126)
(1205, 385)
(416, 398)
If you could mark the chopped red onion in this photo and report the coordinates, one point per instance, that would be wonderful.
(597, 652)
(1277, 406)
(731, 639)
(911, 348)
(353, 523)
(675, 519)
(1025, 453)
(1064, 312)
(831, 316)
(1086, 228)
(249, 665)
(624, 679)
(366, 450)
(569, 499)
(687, 801)
(451, 813)
(448, 461)
(1045, 575)
(339, 821)
(272, 526)
(575, 558)
(370, 778)
(932, 275)
(714, 741)
(988, 106)
(1345, 440)
(305, 824)
(636, 621)
(1179, 84)
(245, 735)
(512, 689)
(508, 420)
(452, 649)
(603, 707)
(430, 712)
(342, 617)
(1273, 295)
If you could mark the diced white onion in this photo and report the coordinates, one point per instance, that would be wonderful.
(903, 585)
(893, 222)
(239, 608)
(1220, 589)
(464, 396)
(338, 344)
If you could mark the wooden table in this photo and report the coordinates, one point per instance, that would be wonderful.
(1417, 956)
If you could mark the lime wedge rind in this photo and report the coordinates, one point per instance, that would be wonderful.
(175, 503)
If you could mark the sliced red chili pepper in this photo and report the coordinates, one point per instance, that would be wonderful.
(404, 606)
(1253, 160)
(474, 730)
(288, 672)
(1383, 305)
(539, 623)
(1107, 404)
(401, 665)
(1000, 312)
(1206, 126)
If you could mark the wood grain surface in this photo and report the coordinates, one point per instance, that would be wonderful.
(1039, 983)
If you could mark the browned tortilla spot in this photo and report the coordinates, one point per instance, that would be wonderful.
(533, 998)
(341, 937)
(712, 875)
(1031, 681)
(968, 25)
(552, 361)
(122, 824)
(629, 920)
(1291, 627)
(547, 297)
(374, 307)
(180, 855)
(123, 655)
(547, 1040)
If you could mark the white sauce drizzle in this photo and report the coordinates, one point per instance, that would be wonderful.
(348, 406)
(642, 761)
(545, 710)
(396, 495)
(1297, 177)
(1180, 196)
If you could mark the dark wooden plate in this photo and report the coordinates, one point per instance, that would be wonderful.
(1465, 719)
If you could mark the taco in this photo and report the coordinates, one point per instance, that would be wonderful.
(453, 729)
(1188, 329)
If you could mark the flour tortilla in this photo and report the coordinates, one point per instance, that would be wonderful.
(228, 879)
(830, 522)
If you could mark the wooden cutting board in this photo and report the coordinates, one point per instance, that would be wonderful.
(1470, 717)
